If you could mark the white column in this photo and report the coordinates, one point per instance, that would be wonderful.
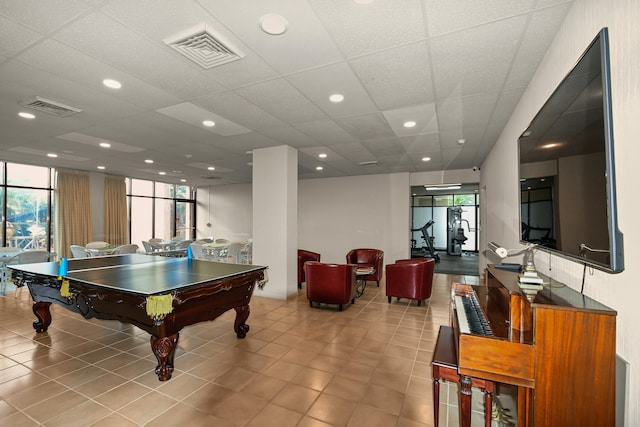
(275, 218)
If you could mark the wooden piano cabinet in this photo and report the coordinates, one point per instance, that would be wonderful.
(573, 340)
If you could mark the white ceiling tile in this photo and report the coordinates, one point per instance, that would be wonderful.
(282, 100)
(126, 49)
(366, 126)
(43, 17)
(456, 113)
(194, 115)
(326, 131)
(361, 29)
(475, 60)
(453, 15)
(95, 142)
(285, 53)
(397, 77)
(423, 115)
(68, 63)
(14, 37)
(240, 110)
(319, 83)
(534, 44)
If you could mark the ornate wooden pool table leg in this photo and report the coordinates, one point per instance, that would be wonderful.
(164, 349)
(242, 314)
(42, 312)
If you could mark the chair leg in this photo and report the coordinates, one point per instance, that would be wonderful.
(299, 285)
(378, 281)
(389, 299)
(353, 300)
(339, 307)
(419, 302)
(310, 304)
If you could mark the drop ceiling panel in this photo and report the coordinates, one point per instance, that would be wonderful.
(15, 36)
(132, 53)
(194, 115)
(534, 44)
(71, 64)
(367, 126)
(280, 99)
(289, 136)
(240, 110)
(475, 60)
(44, 17)
(284, 52)
(363, 28)
(397, 77)
(319, 83)
(325, 131)
(421, 145)
(354, 151)
(475, 110)
(424, 116)
(453, 15)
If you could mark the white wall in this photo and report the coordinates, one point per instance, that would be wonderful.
(499, 175)
(336, 215)
(228, 208)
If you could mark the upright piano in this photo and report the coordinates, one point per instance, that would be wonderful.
(556, 347)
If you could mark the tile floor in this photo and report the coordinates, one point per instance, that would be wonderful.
(368, 365)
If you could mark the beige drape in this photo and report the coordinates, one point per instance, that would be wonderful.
(72, 211)
(116, 226)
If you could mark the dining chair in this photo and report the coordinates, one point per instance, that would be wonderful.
(125, 249)
(233, 253)
(79, 251)
(222, 240)
(33, 256)
(197, 251)
(96, 245)
(245, 253)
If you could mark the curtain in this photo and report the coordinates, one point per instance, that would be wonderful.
(116, 226)
(72, 211)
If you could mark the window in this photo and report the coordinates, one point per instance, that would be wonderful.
(160, 210)
(25, 198)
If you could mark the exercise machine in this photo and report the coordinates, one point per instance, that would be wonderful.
(455, 231)
(426, 251)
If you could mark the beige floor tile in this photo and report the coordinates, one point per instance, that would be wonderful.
(273, 415)
(296, 398)
(366, 416)
(264, 386)
(239, 408)
(313, 379)
(332, 409)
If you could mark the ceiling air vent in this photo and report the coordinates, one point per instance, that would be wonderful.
(204, 46)
(369, 163)
(48, 106)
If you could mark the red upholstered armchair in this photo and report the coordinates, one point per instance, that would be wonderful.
(304, 256)
(410, 278)
(368, 258)
(330, 283)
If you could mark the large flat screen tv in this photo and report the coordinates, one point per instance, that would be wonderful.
(567, 173)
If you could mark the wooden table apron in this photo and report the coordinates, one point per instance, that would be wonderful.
(192, 304)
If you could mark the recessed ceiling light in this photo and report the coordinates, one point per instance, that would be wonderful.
(162, 173)
(461, 141)
(209, 123)
(183, 180)
(273, 24)
(176, 171)
(409, 124)
(101, 167)
(426, 159)
(188, 156)
(26, 115)
(336, 97)
(105, 145)
(551, 145)
(319, 168)
(112, 84)
(322, 155)
(248, 152)
(148, 161)
(211, 168)
(54, 155)
(249, 163)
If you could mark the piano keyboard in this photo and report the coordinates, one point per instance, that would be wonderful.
(471, 318)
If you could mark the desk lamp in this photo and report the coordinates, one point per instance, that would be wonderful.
(529, 278)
